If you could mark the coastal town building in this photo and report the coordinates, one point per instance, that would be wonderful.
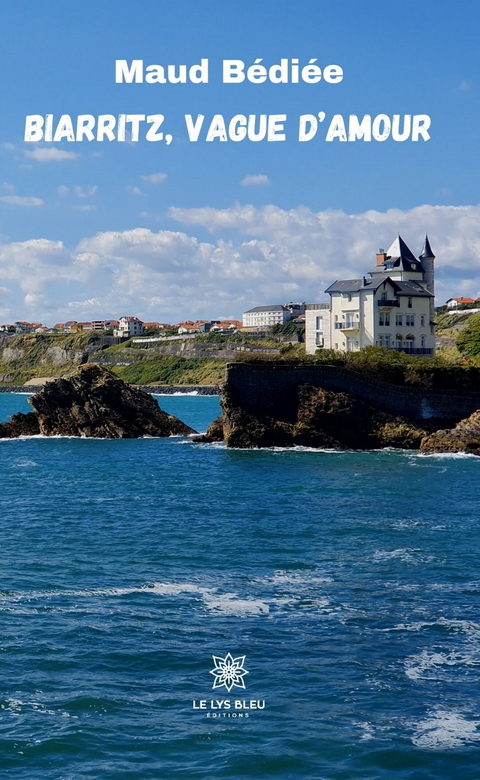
(128, 327)
(226, 325)
(104, 324)
(458, 303)
(317, 327)
(392, 306)
(190, 327)
(268, 316)
(156, 326)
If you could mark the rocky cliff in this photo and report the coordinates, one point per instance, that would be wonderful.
(465, 437)
(272, 406)
(94, 403)
(323, 419)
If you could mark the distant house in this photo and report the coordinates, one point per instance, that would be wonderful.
(226, 325)
(455, 303)
(267, 316)
(59, 326)
(69, 326)
(128, 327)
(200, 326)
(104, 324)
(156, 325)
(24, 327)
(7, 328)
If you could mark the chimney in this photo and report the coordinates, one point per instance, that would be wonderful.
(381, 256)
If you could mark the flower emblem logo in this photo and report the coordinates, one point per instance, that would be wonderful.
(229, 672)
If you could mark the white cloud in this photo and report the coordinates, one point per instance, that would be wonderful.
(256, 180)
(17, 200)
(464, 86)
(78, 192)
(85, 207)
(135, 190)
(85, 192)
(8, 146)
(8, 187)
(49, 154)
(35, 301)
(154, 178)
(271, 255)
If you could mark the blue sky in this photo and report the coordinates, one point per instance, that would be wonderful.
(102, 233)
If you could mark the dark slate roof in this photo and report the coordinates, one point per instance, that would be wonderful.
(411, 288)
(354, 285)
(426, 250)
(276, 307)
(399, 257)
(400, 251)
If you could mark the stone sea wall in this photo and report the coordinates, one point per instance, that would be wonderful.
(272, 389)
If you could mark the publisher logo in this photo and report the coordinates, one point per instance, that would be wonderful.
(229, 672)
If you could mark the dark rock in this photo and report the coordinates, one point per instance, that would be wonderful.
(93, 403)
(214, 432)
(324, 419)
(20, 425)
(465, 437)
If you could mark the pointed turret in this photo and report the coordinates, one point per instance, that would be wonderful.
(427, 257)
(427, 250)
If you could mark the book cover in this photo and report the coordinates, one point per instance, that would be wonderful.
(239, 383)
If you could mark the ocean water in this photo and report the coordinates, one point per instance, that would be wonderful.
(349, 581)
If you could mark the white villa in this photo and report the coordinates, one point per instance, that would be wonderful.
(128, 326)
(393, 306)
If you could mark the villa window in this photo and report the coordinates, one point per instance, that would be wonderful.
(422, 341)
(422, 320)
(410, 303)
(384, 318)
(399, 319)
(410, 320)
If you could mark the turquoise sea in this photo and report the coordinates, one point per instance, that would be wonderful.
(349, 581)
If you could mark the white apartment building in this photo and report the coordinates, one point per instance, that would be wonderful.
(267, 316)
(317, 327)
(128, 326)
(393, 306)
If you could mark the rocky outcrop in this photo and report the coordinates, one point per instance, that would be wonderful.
(324, 419)
(465, 437)
(95, 403)
(20, 425)
(213, 433)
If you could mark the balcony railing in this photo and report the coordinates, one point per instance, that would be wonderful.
(414, 350)
(349, 325)
(387, 302)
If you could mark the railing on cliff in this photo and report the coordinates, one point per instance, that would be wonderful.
(420, 402)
